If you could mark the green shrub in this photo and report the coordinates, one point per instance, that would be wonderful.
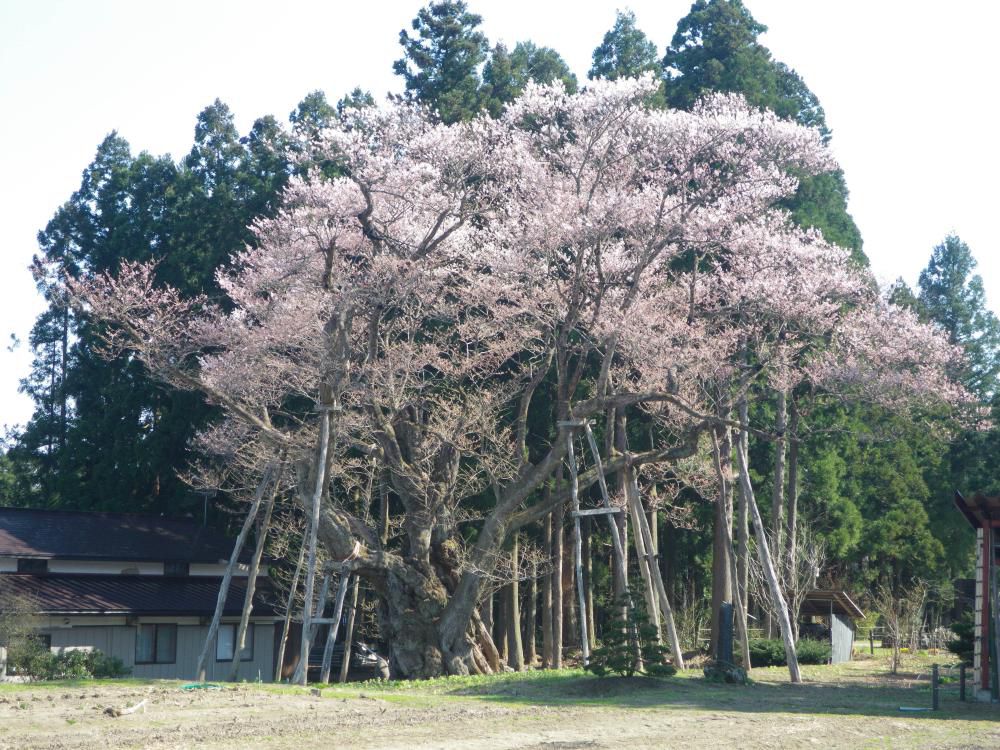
(28, 656)
(32, 659)
(963, 646)
(70, 665)
(616, 653)
(102, 666)
(811, 651)
(767, 652)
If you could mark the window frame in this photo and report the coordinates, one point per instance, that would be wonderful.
(156, 641)
(248, 647)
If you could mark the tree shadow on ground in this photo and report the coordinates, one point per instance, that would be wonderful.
(692, 692)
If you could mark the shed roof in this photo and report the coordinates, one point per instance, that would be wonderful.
(82, 535)
(132, 595)
(822, 603)
(979, 510)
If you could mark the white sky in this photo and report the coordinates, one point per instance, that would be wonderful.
(906, 85)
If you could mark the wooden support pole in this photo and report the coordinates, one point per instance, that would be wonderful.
(739, 592)
(642, 530)
(531, 618)
(784, 622)
(616, 540)
(547, 640)
(227, 577)
(596, 512)
(558, 517)
(333, 628)
(258, 553)
(315, 620)
(323, 442)
(641, 552)
(588, 577)
(515, 652)
(742, 552)
(574, 493)
(349, 634)
(621, 575)
(288, 612)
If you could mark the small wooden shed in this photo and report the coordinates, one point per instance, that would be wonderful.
(983, 514)
(840, 611)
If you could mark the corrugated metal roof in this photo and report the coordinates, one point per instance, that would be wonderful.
(132, 595)
(80, 535)
(822, 603)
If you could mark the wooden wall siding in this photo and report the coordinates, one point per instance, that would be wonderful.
(120, 641)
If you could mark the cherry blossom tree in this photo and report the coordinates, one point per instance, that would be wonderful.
(580, 254)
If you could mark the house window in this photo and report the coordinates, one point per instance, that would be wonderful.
(156, 644)
(225, 642)
(31, 565)
(176, 568)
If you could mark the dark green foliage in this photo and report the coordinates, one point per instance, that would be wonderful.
(810, 651)
(951, 294)
(441, 65)
(103, 435)
(30, 658)
(767, 652)
(441, 60)
(625, 52)
(358, 98)
(901, 295)
(312, 116)
(876, 491)
(715, 48)
(821, 202)
(628, 628)
(964, 645)
(506, 74)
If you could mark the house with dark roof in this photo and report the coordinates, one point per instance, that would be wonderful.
(140, 588)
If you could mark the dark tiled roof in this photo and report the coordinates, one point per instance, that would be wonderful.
(82, 535)
(132, 595)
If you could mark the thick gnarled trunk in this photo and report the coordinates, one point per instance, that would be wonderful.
(423, 642)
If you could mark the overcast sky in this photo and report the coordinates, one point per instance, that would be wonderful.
(909, 89)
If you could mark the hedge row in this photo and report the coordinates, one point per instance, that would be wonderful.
(771, 652)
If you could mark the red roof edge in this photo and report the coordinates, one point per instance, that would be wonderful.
(963, 508)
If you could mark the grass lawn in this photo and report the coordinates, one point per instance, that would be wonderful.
(850, 705)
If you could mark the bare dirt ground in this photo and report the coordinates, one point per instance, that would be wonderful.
(842, 708)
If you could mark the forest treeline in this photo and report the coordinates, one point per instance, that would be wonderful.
(871, 488)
